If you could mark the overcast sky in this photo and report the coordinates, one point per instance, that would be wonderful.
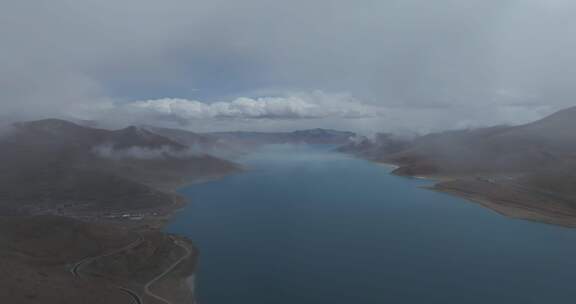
(382, 65)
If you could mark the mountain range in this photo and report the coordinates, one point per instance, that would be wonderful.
(54, 164)
(526, 171)
(312, 136)
(80, 206)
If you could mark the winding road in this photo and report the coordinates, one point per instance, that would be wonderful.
(76, 269)
(168, 270)
(135, 298)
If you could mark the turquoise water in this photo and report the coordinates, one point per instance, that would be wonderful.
(307, 225)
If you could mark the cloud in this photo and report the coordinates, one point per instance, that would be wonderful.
(448, 58)
(107, 151)
(297, 106)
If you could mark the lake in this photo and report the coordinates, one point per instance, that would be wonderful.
(304, 224)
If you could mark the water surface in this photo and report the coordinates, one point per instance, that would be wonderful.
(308, 225)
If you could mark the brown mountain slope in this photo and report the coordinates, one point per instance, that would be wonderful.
(57, 260)
(525, 171)
(57, 164)
(496, 150)
(119, 183)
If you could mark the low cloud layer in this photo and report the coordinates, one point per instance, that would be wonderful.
(107, 151)
(425, 64)
(296, 106)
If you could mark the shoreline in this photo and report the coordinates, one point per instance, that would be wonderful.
(525, 208)
(179, 202)
(514, 211)
(191, 283)
(177, 282)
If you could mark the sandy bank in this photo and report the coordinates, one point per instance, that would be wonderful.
(500, 198)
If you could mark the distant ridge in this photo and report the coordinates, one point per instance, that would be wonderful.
(311, 136)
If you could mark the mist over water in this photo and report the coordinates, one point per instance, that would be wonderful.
(307, 225)
(108, 151)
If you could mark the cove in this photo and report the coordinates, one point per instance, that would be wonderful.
(304, 224)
